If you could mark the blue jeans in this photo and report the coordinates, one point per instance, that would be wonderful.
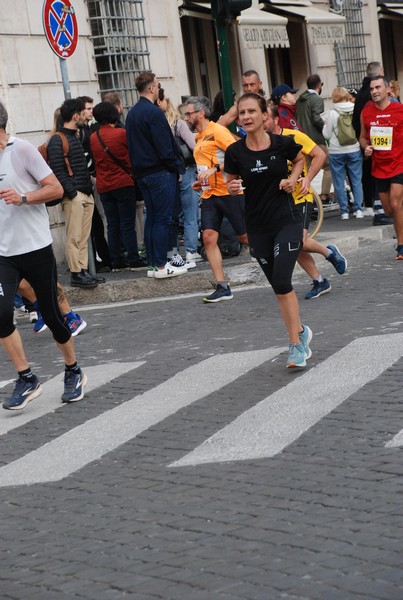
(173, 241)
(349, 163)
(158, 191)
(120, 210)
(190, 207)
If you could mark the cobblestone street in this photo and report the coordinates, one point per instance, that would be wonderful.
(100, 503)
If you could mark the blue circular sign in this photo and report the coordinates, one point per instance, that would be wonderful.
(60, 25)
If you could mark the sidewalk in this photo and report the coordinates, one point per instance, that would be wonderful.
(125, 286)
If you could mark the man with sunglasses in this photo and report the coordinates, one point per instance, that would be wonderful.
(156, 164)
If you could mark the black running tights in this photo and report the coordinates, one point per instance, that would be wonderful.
(39, 269)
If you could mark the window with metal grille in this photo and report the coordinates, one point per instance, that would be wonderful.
(120, 45)
(351, 58)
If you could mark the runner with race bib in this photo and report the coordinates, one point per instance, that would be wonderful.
(381, 139)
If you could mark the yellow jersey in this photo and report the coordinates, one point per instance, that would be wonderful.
(307, 146)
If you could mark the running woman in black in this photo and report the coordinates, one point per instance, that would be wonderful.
(258, 163)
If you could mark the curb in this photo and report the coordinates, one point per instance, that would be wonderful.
(239, 271)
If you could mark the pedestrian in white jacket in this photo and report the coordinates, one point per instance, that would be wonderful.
(344, 153)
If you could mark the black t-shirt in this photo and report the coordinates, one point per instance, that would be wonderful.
(266, 207)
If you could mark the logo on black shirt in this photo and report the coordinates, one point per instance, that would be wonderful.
(259, 167)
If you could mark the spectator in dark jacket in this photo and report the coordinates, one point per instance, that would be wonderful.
(156, 163)
(310, 105)
(78, 201)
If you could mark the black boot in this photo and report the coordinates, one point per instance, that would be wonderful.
(83, 281)
(96, 278)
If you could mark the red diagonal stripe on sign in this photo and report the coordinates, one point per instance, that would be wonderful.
(61, 20)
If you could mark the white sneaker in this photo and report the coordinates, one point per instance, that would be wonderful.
(190, 264)
(169, 271)
(359, 214)
(151, 271)
(344, 216)
(368, 211)
(193, 256)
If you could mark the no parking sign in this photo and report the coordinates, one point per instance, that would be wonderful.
(60, 25)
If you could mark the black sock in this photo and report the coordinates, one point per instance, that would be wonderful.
(74, 367)
(26, 375)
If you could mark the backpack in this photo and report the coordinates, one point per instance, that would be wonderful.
(345, 130)
(43, 151)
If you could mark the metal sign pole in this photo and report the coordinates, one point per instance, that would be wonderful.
(65, 78)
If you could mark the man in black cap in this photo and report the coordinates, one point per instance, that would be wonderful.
(285, 98)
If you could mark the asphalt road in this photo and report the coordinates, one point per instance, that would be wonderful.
(199, 467)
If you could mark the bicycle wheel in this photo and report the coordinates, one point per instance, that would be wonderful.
(316, 217)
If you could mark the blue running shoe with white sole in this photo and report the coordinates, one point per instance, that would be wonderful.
(305, 338)
(220, 293)
(74, 384)
(23, 393)
(318, 289)
(337, 259)
(76, 324)
(40, 324)
(296, 356)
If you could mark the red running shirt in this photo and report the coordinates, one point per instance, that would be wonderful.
(385, 133)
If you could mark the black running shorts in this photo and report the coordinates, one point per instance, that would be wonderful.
(215, 208)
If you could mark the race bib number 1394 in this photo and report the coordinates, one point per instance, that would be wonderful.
(381, 138)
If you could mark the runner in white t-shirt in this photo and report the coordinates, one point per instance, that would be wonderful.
(26, 183)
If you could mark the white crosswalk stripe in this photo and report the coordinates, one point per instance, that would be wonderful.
(396, 441)
(91, 440)
(263, 431)
(277, 421)
(49, 401)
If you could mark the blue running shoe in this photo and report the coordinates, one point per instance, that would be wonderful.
(337, 259)
(399, 250)
(296, 356)
(305, 338)
(74, 384)
(23, 393)
(219, 294)
(76, 324)
(318, 289)
(40, 325)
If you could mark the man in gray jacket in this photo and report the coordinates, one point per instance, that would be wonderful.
(309, 108)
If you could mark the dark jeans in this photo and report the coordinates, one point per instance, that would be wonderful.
(174, 228)
(159, 194)
(120, 210)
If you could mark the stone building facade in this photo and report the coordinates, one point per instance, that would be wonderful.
(284, 40)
